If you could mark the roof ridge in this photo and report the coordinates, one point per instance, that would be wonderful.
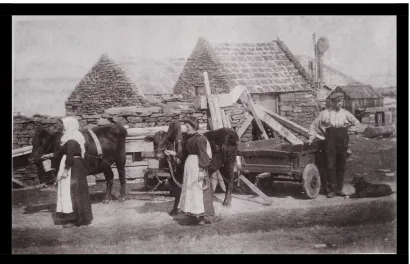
(296, 62)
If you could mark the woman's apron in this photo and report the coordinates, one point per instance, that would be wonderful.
(192, 199)
(64, 203)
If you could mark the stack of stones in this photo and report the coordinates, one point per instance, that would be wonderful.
(23, 132)
(202, 59)
(24, 128)
(150, 116)
(105, 85)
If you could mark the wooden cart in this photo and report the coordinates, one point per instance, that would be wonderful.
(282, 162)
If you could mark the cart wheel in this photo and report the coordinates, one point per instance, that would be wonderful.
(311, 181)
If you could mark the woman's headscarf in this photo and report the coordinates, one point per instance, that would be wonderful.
(71, 127)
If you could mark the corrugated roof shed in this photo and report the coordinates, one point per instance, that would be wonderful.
(360, 91)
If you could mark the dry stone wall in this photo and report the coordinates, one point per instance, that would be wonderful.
(301, 108)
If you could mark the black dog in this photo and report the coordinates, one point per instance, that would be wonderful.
(364, 189)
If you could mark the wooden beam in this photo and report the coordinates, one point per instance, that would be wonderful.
(22, 151)
(245, 126)
(19, 182)
(289, 124)
(277, 127)
(256, 190)
(213, 105)
(252, 107)
(225, 119)
(236, 93)
(224, 100)
(149, 131)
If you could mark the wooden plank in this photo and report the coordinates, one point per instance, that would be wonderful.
(260, 168)
(252, 107)
(224, 100)
(224, 122)
(256, 190)
(149, 131)
(260, 144)
(22, 151)
(245, 126)
(277, 127)
(289, 124)
(376, 109)
(218, 115)
(139, 146)
(19, 182)
(213, 105)
(236, 93)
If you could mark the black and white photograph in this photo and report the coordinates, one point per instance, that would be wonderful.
(204, 134)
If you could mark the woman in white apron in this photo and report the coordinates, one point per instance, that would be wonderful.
(73, 201)
(195, 200)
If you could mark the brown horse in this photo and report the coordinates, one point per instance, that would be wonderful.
(112, 139)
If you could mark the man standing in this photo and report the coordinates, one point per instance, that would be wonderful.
(333, 123)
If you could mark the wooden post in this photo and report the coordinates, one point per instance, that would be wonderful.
(213, 105)
(256, 190)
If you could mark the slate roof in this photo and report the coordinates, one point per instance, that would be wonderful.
(360, 91)
(262, 67)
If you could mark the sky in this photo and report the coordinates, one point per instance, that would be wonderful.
(363, 47)
(66, 46)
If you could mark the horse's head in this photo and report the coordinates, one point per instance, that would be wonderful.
(44, 142)
(165, 140)
(161, 141)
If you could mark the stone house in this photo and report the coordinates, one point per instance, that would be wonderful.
(270, 72)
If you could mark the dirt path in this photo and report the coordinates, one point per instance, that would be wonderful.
(146, 220)
(289, 225)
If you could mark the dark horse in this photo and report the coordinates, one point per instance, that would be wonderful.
(112, 140)
(224, 145)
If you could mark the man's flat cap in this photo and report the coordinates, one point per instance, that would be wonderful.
(336, 96)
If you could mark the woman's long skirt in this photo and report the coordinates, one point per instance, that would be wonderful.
(194, 200)
(81, 212)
